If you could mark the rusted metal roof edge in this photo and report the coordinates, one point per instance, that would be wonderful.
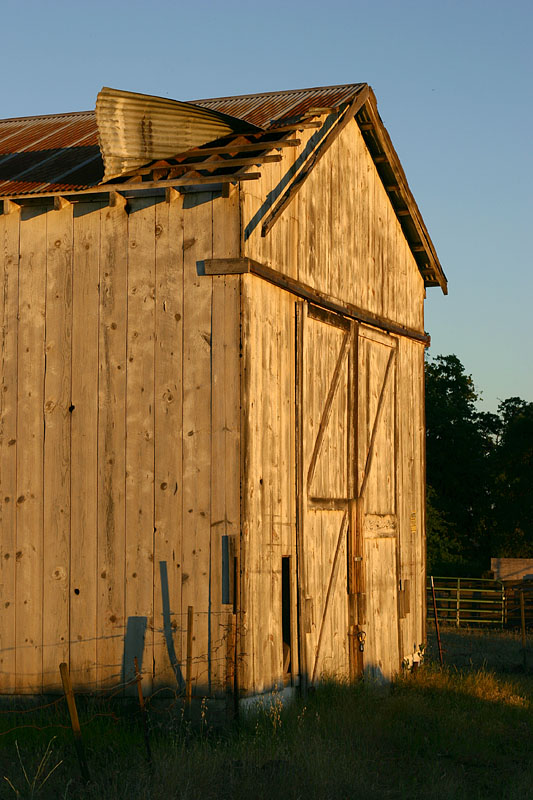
(356, 86)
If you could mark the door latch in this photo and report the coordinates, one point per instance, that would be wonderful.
(361, 636)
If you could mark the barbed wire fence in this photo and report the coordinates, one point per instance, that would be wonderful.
(171, 702)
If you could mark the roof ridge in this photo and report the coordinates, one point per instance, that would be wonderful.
(281, 91)
(91, 112)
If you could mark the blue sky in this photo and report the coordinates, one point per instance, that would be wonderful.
(453, 83)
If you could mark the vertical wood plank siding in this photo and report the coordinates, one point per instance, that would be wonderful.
(57, 417)
(111, 541)
(168, 406)
(30, 452)
(153, 418)
(269, 502)
(9, 293)
(110, 437)
(84, 578)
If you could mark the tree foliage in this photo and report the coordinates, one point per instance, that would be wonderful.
(479, 473)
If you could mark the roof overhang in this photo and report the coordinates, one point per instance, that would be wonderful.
(393, 178)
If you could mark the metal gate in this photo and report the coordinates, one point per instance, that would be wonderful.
(467, 601)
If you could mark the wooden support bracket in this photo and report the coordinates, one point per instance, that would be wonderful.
(117, 200)
(10, 207)
(61, 202)
(171, 195)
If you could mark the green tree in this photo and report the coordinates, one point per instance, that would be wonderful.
(511, 513)
(443, 548)
(459, 443)
(479, 474)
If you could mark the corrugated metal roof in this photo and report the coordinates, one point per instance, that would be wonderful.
(269, 108)
(54, 152)
(61, 153)
(64, 147)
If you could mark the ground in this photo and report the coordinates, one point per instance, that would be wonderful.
(459, 732)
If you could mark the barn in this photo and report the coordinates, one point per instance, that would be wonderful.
(212, 404)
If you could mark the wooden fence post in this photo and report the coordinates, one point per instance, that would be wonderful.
(523, 625)
(143, 710)
(74, 720)
(437, 622)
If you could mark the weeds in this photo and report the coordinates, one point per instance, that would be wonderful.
(435, 734)
(32, 786)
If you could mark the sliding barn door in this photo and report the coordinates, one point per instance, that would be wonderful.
(347, 525)
(325, 485)
(376, 489)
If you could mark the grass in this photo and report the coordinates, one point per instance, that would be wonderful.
(461, 732)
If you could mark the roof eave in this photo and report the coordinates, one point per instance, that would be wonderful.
(395, 183)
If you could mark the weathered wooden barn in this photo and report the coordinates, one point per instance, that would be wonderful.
(212, 344)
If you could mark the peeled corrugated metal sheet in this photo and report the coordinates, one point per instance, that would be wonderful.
(135, 129)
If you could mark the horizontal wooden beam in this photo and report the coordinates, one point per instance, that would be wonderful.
(297, 126)
(220, 163)
(240, 148)
(321, 110)
(329, 503)
(162, 166)
(240, 266)
(104, 188)
(217, 163)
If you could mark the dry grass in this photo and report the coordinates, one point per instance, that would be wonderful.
(453, 733)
